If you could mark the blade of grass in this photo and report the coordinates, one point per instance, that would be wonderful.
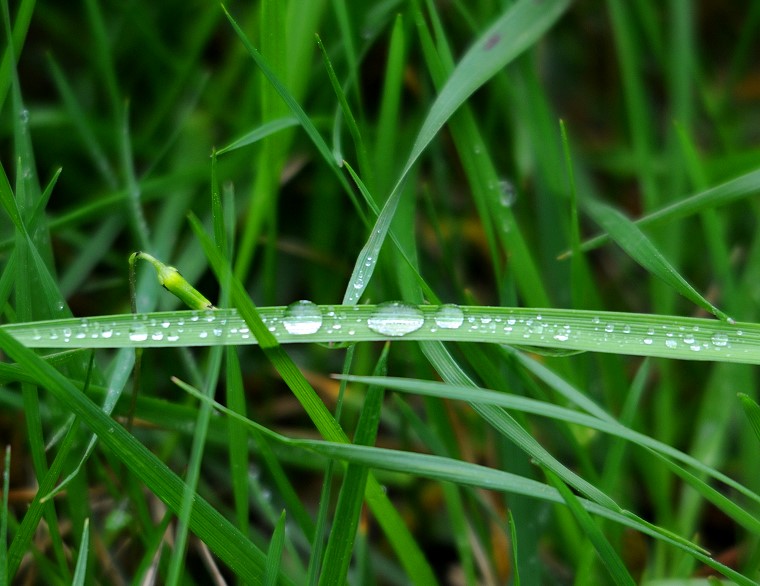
(643, 251)
(520, 26)
(80, 570)
(340, 544)
(752, 411)
(607, 553)
(274, 554)
(4, 576)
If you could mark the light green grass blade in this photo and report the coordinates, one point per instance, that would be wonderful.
(683, 338)
(720, 195)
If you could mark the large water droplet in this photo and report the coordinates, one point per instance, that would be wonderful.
(720, 340)
(449, 317)
(302, 317)
(395, 318)
(138, 333)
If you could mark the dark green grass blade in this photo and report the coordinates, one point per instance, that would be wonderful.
(274, 553)
(607, 553)
(341, 541)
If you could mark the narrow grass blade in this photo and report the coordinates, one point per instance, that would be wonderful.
(274, 553)
(346, 519)
(521, 25)
(260, 133)
(720, 195)
(4, 577)
(607, 554)
(80, 570)
(752, 411)
(644, 252)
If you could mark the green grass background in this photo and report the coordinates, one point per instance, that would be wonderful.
(593, 420)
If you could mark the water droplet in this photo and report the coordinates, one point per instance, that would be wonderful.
(449, 317)
(395, 318)
(138, 333)
(562, 337)
(157, 336)
(720, 340)
(302, 317)
(507, 193)
(60, 305)
(670, 343)
(648, 341)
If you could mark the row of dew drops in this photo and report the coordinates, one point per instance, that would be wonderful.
(392, 319)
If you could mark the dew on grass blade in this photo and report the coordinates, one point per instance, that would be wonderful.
(138, 333)
(449, 317)
(395, 318)
(302, 317)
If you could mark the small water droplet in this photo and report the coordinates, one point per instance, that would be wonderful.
(157, 336)
(449, 317)
(670, 343)
(203, 334)
(648, 341)
(395, 318)
(302, 317)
